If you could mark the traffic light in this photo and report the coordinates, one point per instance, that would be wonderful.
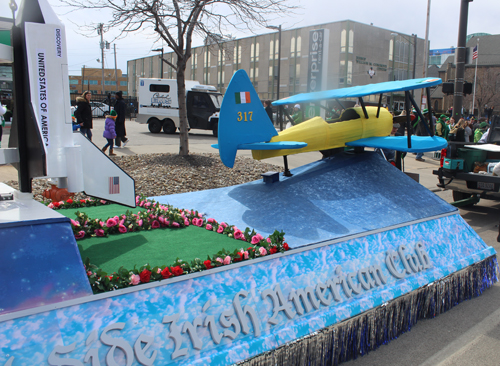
(449, 88)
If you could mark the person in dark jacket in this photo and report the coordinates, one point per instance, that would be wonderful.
(120, 109)
(83, 114)
(269, 109)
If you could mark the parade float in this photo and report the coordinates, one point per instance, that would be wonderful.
(368, 251)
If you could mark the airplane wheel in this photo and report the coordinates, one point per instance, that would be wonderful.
(154, 125)
(215, 129)
(169, 127)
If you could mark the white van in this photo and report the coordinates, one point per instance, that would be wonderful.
(159, 105)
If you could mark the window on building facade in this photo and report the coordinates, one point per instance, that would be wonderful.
(109, 82)
(237, 54)
(391, 49)
(123, 83)
(92, 82)
(299, 45)
(351, 41)
(343, 38)
(74, 81)
(194, 63)
(349, 72)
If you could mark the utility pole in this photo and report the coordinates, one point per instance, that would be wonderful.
(116, 71)
(83, 78)
(102, 56)
(460, 52)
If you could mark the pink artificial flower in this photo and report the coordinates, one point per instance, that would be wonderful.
(175, 224)
(122, 221)
(124, 217)
(122, 229)
(141, 203)
(262, 251)
(99, 232)
(155, 224)
(159, 270)
(255, 240)
(116, 218)
(103, 202)
(167, 222)
(224, 224)
(61, 203)
(245, 254)
(200, 222)
(208, 227)
(74, 223)
(51, 205)
(186, 222)
(219, 260)
(200, 215)
(137, 200)
(220, 229)
(147, 204)
(268, 240)
(227, 260)
(101, 223)
(111, 222)
(259, 237)
(80, 235)
(135, 279)
(243, 238)
(140, 222)
(210, 220)
(238, 234)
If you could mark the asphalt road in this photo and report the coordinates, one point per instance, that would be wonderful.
(469, 334)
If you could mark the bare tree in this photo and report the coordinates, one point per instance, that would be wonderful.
(487, 87)
(177, 21)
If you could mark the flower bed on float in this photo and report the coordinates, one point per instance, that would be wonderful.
(152, 216)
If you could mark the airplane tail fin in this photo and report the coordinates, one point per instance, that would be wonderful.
(243, 119)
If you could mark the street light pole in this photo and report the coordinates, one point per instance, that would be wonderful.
(278, 28)
(161, 61)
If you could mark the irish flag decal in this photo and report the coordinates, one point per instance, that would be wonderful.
(242, 97)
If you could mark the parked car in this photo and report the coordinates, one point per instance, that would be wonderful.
(99, 109)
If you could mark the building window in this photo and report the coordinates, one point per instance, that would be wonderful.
(343, 40)
(351, 41)
(92, 82)
(74, 81)
(123, 83)
(194, 63)
(391, 49)
(299, 45)
(349, 72)
(109, 82)
(237, 55)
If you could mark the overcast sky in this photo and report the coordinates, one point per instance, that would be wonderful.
(401, 16)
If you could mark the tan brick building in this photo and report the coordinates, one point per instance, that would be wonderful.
(91, 79)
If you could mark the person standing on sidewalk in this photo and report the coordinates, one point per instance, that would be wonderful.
(120, 109)
(83, 114)
(109, 132)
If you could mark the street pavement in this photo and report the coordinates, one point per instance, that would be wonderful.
(469, 334)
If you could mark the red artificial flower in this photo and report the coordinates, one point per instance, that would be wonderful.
(208, 264)
(69, 200)
(273, 250)
(238, 258)
(82, 201)
(177, 270)
(285, 246)
(56, 204)
(145, 276)
(166, 273)
(250, 248)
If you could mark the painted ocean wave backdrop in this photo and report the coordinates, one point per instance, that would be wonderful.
(222, 317)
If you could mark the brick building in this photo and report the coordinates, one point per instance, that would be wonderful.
(91, 79)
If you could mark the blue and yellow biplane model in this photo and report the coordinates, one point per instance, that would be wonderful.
(244, 124)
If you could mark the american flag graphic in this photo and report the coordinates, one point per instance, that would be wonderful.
(114, 185)
(474, 53)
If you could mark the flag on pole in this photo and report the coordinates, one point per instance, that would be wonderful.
(242, 97)
(114, 185)
(474, 53)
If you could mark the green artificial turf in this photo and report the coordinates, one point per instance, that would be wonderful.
(157, 247)
(100, 212)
